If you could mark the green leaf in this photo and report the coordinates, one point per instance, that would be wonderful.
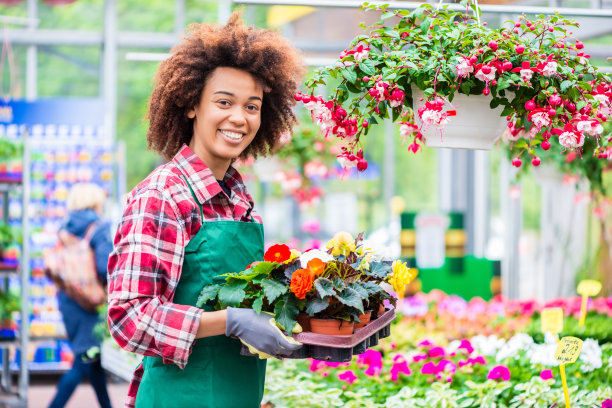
(316, 305)
(209, 292)
(502, 84)
(324, 287)
(565, 85)
(507, 111)
(371, 287)
(357, 287)
(257, 304)
(465, 87)
(232, 293)
(273, 289)
(367, 66)
(339, 284)
(349, 74)
(286, 312)
(379, 269)
(264, 268)
(350, 297)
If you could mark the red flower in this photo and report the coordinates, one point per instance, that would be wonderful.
(301, 282)
(277, 253)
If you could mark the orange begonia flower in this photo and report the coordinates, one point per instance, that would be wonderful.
(277, 253)
(301, 282)
(316, 266)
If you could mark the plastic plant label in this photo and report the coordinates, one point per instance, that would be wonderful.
(568, 350)
(589, 287)
(552, 320)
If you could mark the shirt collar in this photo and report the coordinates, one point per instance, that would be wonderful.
(203, 181)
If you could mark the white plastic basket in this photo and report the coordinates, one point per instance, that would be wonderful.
(476, 126)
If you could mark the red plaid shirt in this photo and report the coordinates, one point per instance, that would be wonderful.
(145, 266)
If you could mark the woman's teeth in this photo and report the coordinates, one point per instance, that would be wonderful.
(232, 135)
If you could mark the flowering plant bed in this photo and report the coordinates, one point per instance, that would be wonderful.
(534, 71)
(341, 282)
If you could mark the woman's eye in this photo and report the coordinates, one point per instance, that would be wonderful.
(224, 102)
(253, 108)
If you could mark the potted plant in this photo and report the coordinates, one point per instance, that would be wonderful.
(412, 66)
(339, 283)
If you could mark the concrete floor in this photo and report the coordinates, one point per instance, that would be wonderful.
(42, 391)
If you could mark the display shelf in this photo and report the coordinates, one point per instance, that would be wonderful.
(8, 268)
(51, 367)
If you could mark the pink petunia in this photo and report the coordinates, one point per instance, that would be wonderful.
(607, 403)
(546, 374)
(373, 360)
(428, 368)
(419, 357)
(498, 372)
(436, 352)
(399, 367)
(466, 345)
(348, 376)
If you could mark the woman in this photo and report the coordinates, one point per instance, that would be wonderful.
(85, 203)
(226, 92)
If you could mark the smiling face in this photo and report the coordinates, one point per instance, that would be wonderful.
(227, 118)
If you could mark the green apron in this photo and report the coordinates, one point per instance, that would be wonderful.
(216, 375)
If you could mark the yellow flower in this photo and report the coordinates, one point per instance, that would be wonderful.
(365, 262)
(294, 255)
(401, 276)
(342, 243)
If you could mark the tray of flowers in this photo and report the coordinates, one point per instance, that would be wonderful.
(340, 287)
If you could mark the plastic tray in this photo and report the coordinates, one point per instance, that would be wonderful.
(341, 348)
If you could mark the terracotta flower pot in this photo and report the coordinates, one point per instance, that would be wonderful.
(381, 309)
(331, 326)
(304, 320)
(364, 319)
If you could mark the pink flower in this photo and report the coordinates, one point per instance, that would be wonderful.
(498, 372)
(437, 351)
(486, 73)
(464, 68)
(359, 53)
(425, 343)
(399, 367)
(478, 360)
(419, 357)
(466, 345)
(569, 137)
(607, 403)
(396, 98)
(348, 376)
(373, 360)
(428, 368)
(546, 374)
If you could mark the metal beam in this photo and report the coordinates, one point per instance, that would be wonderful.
(409, 5)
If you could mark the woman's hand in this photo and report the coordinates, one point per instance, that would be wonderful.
(259, 332)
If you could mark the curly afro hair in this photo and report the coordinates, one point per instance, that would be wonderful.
(181, 78)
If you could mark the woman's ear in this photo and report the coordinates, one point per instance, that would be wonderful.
(191, 113)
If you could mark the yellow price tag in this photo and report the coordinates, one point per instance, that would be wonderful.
(568, 350)
(552, 320)
(589, 287)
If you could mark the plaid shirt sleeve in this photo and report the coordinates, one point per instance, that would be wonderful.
(144, 270)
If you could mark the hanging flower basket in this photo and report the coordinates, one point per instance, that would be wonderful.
(534, 71)
(472, 123)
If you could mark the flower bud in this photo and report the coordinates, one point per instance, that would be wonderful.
(519, 49)
(486, 91)
(536, 161)
(493, 45)
(545, 145)
(297, 96)
(507, 66)
(362, 165)
(486, 69)
(530, 105)
(516, 162)
(555, 100)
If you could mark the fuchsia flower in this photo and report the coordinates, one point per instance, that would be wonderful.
(587, 125)
(569, 137)
(359, 53)
(348, 376)
(485, 73)
(548, 67)
(546, 374)
(525, 70)
(498, 372)
(539, 117)
(432, 113)
(464, 67)
(396, 98)
(607, 403)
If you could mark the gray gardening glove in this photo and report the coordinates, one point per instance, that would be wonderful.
(259, 333)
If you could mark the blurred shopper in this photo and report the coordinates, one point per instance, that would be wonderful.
(224, 93)
(85, 203)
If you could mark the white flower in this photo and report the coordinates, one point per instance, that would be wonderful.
(605, 106)
(550, 68)
(346, 163)
(589, 127)
(405, 131)
(486, 77)
(540, 119)
(487, 346)
(434, 117)
(519, 341)
(526, 74)
(590, 356)
(312, 254)
(570, 140)
(323, 116)
(464, 68)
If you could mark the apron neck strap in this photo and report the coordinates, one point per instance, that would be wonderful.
(195, 198)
